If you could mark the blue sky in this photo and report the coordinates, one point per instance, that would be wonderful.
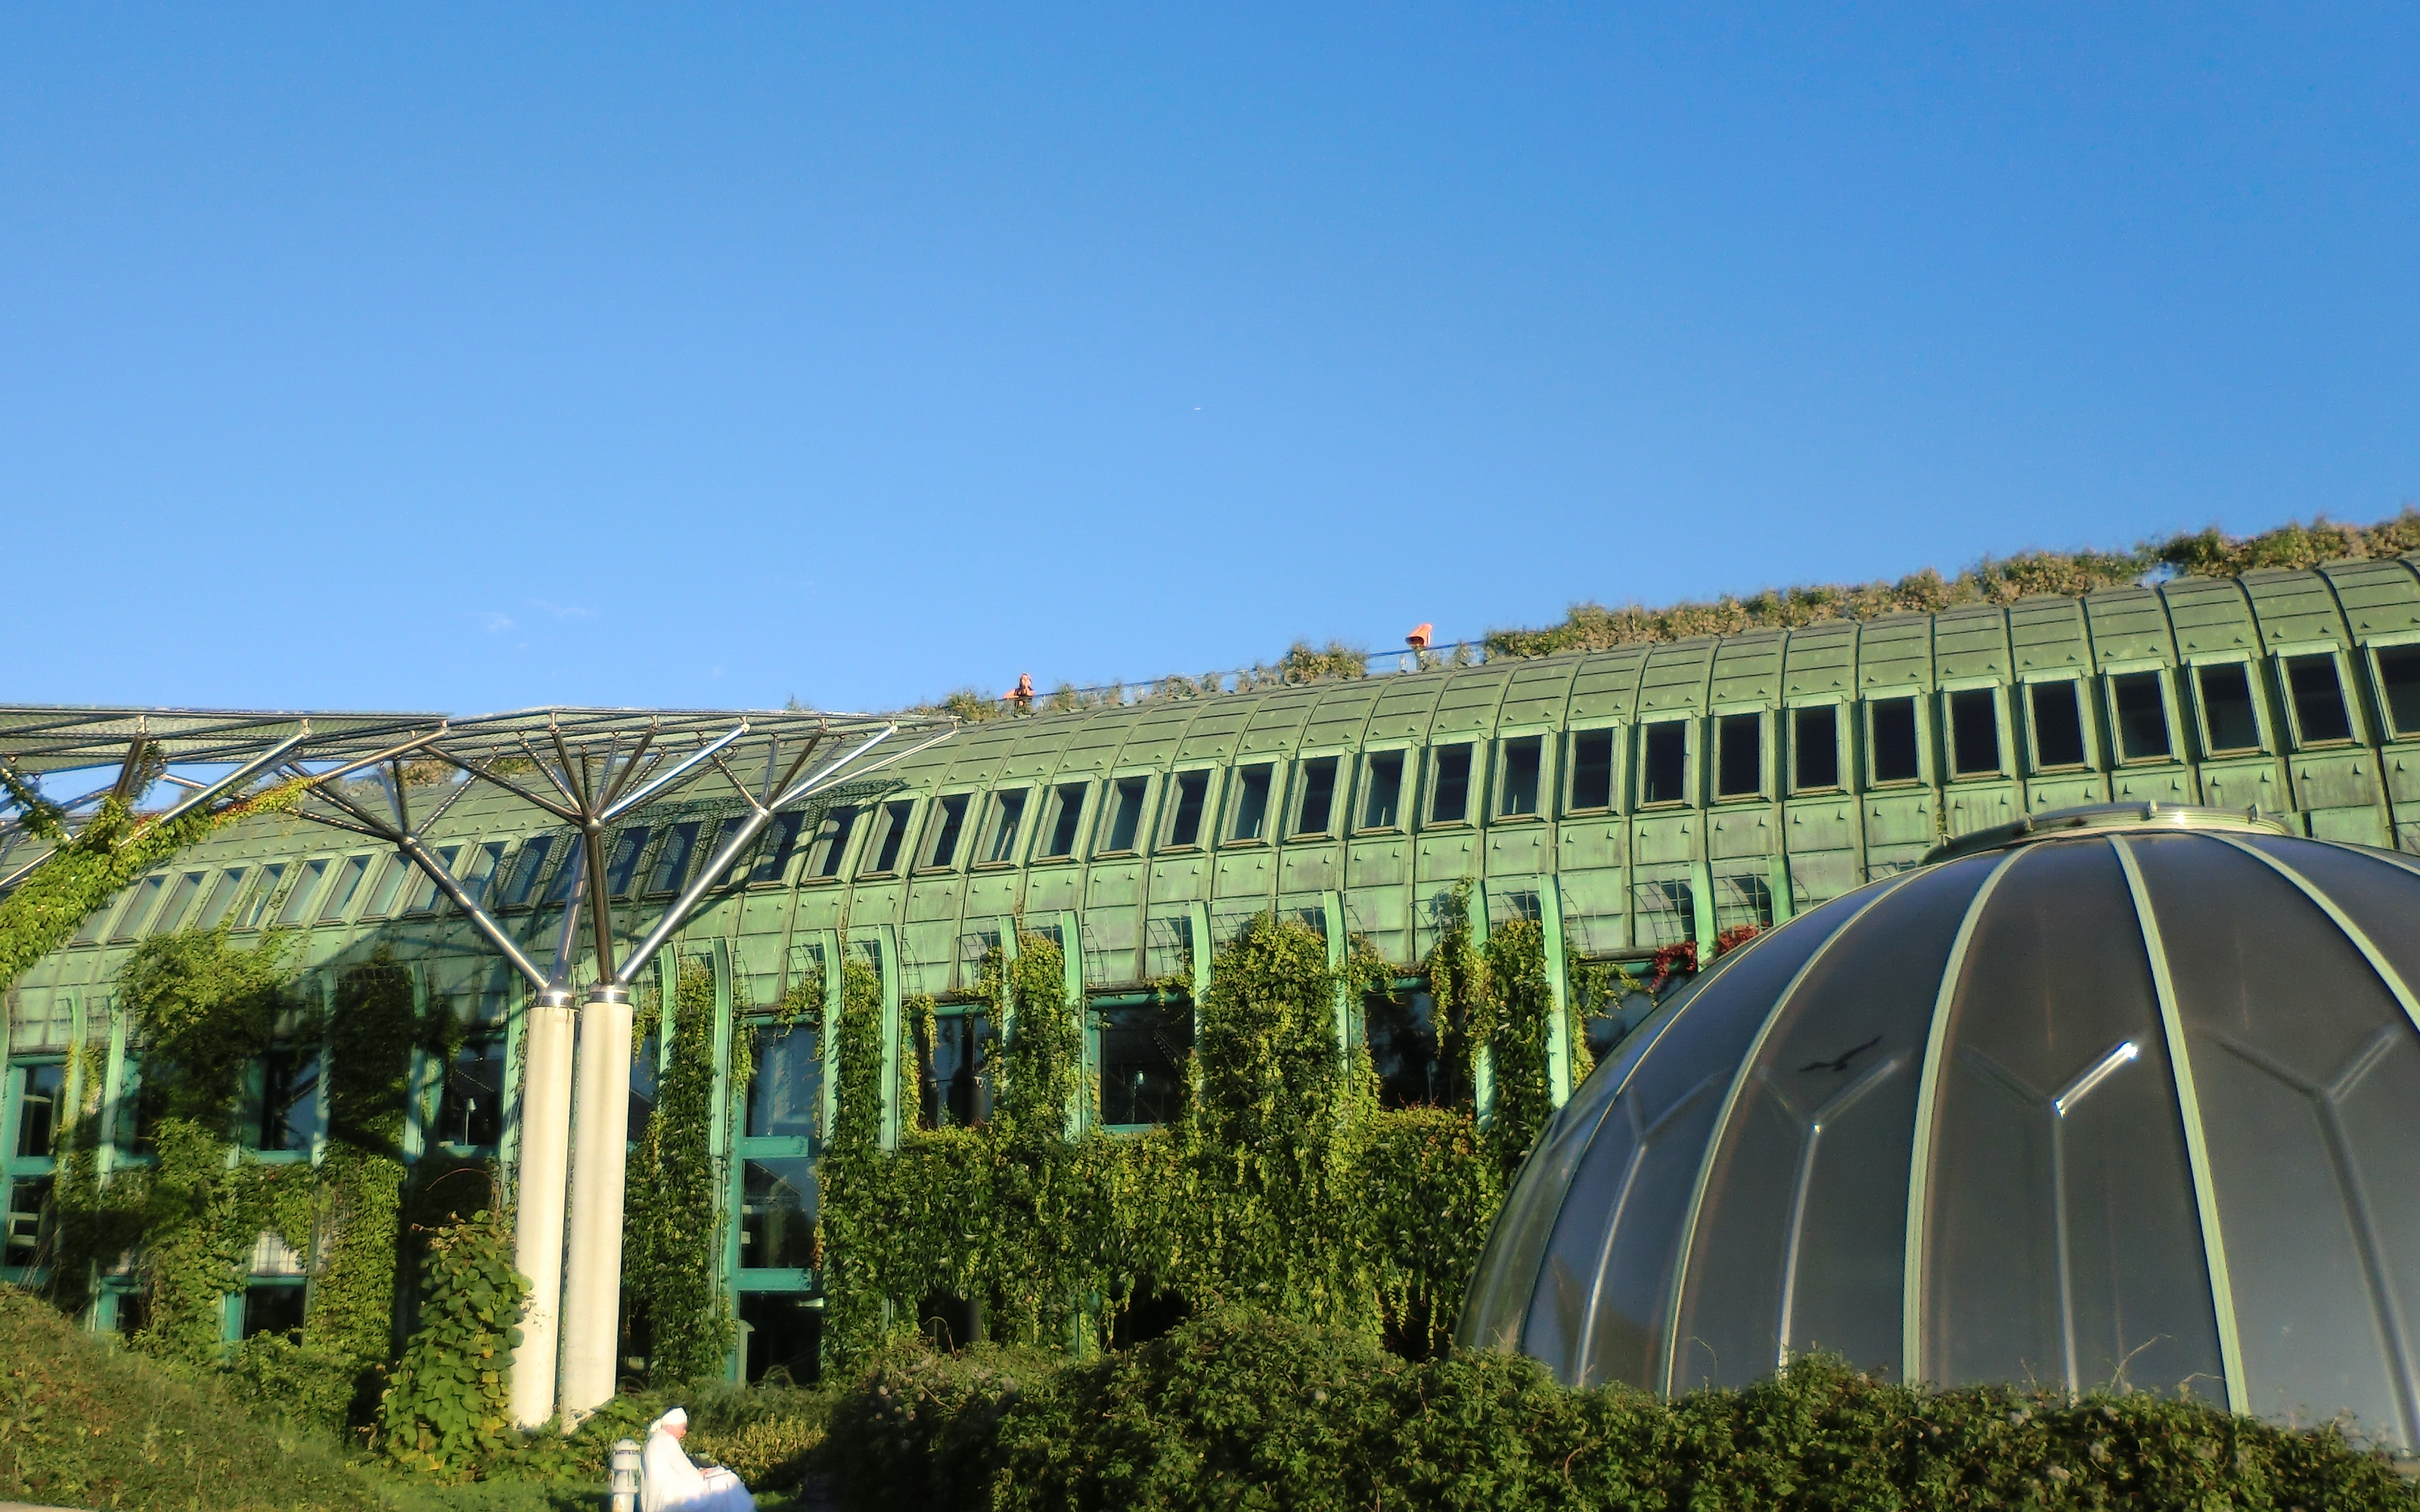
(477, 358)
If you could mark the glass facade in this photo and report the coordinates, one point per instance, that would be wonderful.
(2127, 1101)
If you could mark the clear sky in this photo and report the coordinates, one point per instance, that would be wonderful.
(481, 357)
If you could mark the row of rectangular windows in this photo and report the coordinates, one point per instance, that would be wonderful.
(2226, 715)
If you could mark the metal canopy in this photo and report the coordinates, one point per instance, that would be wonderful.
(37, 738)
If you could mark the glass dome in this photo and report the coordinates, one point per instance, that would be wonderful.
(2118, 1097)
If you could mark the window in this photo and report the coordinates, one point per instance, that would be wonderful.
(646, 1078)
(471, 1112)
(264, 892)
(781, 838)
(949, 822)
(27, 1234)
(1592, 769)
(2229, 719)
(1251, 804)
(830, 842)
(1066, 817)
(1814, 747)
(481, 873)
(1382, 804)
(273, 1306)
(348, 882)
(1738, 755)
(672, 857)
(391, 875)
(622, 862)
(1126, 812)
(147, 893)
(785, 1091)
(1144, 1049)
(569, 873)
(2319, 713)
(2142, 716)
(1007, 815)
(956, 1081)
(37, 1090)
(1406, 1051)
(285, 1116)
(777, 1214)
(1318, 795)
(306, 888)
(527, 867)
(1891, 731)
(785, 1333)
(1521, 763)
(428, 898)
(1664, 771)
(222, 898)
(2057, 718)
(1974, 732)
(1193, 791)
(180, 897)
(2398, 680)
(1452, 805)
(894, 835)
(141, 1102)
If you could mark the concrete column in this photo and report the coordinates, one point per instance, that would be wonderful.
(538, 1214)
(592, 1281)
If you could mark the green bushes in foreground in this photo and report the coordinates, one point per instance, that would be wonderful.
(1238, 1410)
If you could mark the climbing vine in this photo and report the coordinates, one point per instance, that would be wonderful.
(451, 1401)
(671, 1247)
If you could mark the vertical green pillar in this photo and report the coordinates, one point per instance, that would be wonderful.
(113, 1087)
(1200, 913)
(1071, 980)
(826, 945)
(1331, 916)
(1778, 879)
(718, 1144)
(1558, 1026)
(1701, 899)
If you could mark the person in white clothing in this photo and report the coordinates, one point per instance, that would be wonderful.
(669, 1483)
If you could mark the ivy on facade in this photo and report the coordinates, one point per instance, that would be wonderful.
(672, 1241)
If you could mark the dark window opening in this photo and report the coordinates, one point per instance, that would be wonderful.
(222, 898)
(28, 1233)
(1008, 817)
(395, 872)
(1150, 1311)
(1380, 807)
(1064, 823)
(2318, 698)
(777, 1214)
(781, 838)
(1592, 769)
(1974, 732)
(1407, 1051)
(831, 841)
(1251, 804)
(785, 1089)
(1522, 758)
(142, 1103)
(471, 1112)
(1318, 795)
(956, 1077)
(894, 835)
(1664, 775)
(147, 893)
(2058, 724)
(1452, 803)
(953, 821)
(1192, 791)
(786, 1338)
(1738, 755)
(340, 897)
(38, 1090)
(2142, 716)
(950, 1322)
(672, 857)
(287, 1118)
(2226, 710)
(2399, 674)
(172, 913)
(622, 865)
(1815, 747)
(1892, 723)
(274, 1307)
(1143, 1050)
(1126, 813)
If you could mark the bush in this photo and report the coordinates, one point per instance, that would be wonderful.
(308, 1382)
(1239, 1411)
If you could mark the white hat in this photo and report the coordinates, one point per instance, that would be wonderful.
(676, 1418)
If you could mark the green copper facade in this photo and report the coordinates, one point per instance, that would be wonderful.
(1630, 798)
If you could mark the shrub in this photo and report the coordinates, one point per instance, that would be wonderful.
(920, 1427)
